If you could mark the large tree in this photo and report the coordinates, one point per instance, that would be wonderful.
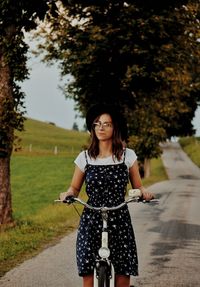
(167, 82)
(139, 54)
(16, 17)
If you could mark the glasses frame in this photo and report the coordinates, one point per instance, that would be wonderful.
(105, 125)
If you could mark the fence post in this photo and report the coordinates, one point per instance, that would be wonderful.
(56, 150)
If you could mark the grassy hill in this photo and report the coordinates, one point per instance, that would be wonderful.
(37, 174)
(40, 137)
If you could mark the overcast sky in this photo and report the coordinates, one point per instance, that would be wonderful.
(45, 101)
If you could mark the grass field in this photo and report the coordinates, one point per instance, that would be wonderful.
(37, 178)
(191, 145)
(42, 138)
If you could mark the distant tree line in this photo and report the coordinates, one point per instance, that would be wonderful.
(75, 126)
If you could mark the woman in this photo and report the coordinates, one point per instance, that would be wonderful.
(106, 168)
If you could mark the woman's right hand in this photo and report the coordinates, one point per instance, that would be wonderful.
(70, 192)
(63, 195)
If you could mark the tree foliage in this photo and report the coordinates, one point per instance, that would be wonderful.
(142, 55)
(75, 126)
(15, 19)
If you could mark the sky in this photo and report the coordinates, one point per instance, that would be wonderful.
(44, 99)
(46, 102)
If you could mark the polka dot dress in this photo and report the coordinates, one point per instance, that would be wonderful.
(105, 185)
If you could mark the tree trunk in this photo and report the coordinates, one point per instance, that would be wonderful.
(147, 167)
(6, 140)
(5, 192)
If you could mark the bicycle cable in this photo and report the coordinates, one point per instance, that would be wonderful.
(76, 210)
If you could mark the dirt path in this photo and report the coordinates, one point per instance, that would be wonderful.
(167, 237)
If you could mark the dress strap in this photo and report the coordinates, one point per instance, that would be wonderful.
(86, 157)
(124, 155)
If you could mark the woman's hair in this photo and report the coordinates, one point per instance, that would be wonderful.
(117, 144)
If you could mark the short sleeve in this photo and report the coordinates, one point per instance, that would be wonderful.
(80, 161)
(130, 157)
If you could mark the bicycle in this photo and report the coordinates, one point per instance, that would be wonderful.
(104, 273)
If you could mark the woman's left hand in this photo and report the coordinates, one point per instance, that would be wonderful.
(147, 196)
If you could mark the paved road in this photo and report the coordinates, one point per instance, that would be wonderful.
(168, 237)
(169, 234)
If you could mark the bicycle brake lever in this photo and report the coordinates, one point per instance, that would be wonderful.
(151, 201)
(69, 199)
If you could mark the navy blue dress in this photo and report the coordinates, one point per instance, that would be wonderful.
(106, 185)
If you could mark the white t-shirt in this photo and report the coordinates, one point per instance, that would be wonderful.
(130, 158)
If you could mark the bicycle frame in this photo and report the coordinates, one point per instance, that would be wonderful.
(104, 253)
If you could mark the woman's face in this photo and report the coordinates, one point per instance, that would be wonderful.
(103, 127)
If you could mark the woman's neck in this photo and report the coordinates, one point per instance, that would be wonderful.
(105, 149)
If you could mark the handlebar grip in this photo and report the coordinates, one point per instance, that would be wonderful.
(69, 199)
(135, 192)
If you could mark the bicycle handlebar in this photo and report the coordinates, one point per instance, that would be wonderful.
(135, 197)
(102, 208)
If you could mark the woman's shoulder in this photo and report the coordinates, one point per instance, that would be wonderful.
(81, 154)
(130, 157)
(129, 151)
(81, 160)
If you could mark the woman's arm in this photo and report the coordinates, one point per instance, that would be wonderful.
(136, 181)
(76, 184)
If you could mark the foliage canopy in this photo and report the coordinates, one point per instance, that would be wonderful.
(138, 54)
(15, 19)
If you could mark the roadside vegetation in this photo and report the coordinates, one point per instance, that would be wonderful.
(191, 145)
(38, 175)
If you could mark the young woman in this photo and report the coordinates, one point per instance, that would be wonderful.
(106, 168)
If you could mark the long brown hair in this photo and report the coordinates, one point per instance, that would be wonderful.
(117, 144)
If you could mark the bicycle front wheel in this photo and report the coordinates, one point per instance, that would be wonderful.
(103, 279)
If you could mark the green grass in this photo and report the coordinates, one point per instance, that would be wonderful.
(158, 173)
(33, 233)
(191, 145)
(37, 178)
(37, 181)
(42, 138)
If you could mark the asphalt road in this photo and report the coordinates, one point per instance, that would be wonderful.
(167, 234)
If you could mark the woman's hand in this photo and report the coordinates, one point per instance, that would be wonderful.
(63, 195)
(147, 195)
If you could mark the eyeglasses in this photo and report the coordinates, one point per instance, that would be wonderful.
(99, 125)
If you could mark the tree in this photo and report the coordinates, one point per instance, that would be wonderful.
(172, 91)
(139, 54)
(75, 126)
(14, 20)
